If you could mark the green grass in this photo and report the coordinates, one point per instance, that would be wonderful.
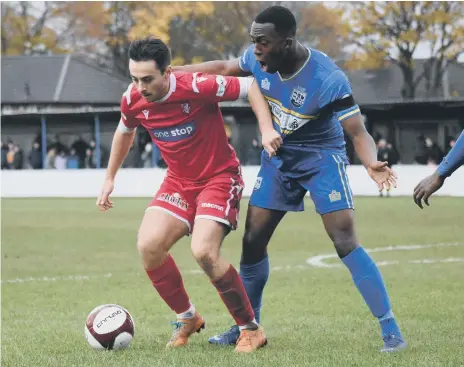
(312, 316)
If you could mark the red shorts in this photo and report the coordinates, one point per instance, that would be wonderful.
(216, 199)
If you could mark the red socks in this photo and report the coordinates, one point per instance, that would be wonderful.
(234, 296)
(167, 280)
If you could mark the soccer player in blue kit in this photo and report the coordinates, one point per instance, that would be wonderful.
(453, 160)
(312, 103)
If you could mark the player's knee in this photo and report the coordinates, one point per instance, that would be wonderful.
(254, 247)
(206, 256)
(345, 241)
(152, 249)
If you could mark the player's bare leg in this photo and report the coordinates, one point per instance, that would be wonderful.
(254, 265)
(158, 232)
(366, 276)
(207, 238)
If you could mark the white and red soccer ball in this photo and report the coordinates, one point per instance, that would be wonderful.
(109, 327)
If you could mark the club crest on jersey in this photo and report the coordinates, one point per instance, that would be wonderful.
(185, 108)
(298, 96)
(258, 182)
(145, 113)
(265, 84)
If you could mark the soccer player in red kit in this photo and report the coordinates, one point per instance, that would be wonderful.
(201, 192)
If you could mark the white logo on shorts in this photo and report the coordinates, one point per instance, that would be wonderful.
(258, 182)
(212, 206)
(335, 196)
(174, 199)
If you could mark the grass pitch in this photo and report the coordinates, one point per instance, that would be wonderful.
(61, 258)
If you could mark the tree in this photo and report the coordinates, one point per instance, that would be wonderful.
(25, 28)
(220, 30)
(322, 28)
(386, 32)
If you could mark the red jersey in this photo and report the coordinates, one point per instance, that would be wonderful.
(187, 124)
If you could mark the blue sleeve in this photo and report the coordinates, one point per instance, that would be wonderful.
(247, 59)
(454, 159)
(336, 87)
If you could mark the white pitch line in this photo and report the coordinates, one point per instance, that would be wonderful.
(318, 260)
(315, 261)
(54, 279)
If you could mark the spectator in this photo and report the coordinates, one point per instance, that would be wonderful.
(35, 156)
(80, 146)
(433, 152)
(51, 157)
(58, 146)
(146, 156)
(4, 156)
(73, 160)
(450, 144)
(10, 154)
(89, 161)
(421, 150)
(18, 157)
(254, 152)
(385, 152)
(61, 160)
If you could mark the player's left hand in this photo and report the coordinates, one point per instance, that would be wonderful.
(271, 141)
(427, 187)
(383, 175)
(103, 202)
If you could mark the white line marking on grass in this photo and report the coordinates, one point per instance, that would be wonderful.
(54, 279)
(318, 260)
(315, 261)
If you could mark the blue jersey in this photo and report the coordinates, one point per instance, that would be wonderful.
(313, 155)
(297, 102)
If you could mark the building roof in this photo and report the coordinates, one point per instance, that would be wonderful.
(372, 86)
(67, 79)
(57, 79)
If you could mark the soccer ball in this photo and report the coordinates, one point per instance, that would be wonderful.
(109, 327)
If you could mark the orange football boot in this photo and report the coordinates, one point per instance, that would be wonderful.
(184, 328)
(251, 340)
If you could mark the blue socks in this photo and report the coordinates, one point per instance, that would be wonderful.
(254, 278)
(368, 280)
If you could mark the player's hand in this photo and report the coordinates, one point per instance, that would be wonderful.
(103, 202)
(271, 141)
(427, 187)
(383, 175)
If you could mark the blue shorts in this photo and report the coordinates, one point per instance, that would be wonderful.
(323, 175)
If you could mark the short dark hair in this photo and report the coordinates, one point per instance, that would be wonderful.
(283, 20)
(151, 48)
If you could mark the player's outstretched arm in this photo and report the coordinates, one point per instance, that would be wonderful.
(271, 139)
(122, 141)
(366, 150)
(217, 67)
(429, 185)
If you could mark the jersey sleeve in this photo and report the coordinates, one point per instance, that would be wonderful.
(127, 123)
(246, 61)
(217, 88)
(454, 159)
(336, 91)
